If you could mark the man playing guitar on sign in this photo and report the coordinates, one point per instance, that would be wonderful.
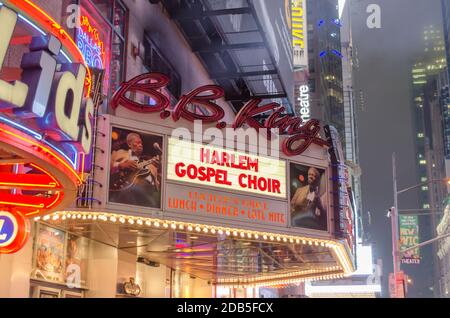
(136, 178)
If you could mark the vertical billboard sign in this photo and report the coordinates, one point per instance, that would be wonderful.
(299, 34)
(409, 237)
(343, 213)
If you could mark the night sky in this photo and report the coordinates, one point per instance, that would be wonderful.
(385, 119)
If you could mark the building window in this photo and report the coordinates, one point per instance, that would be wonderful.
(425, 188)
(155, 62)
(423, 179)
(420, 135)
(422, 162)
(426, 206)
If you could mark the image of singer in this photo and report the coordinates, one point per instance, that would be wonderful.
(135, 176)
(308, 197)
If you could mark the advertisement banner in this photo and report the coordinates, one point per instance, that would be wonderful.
(309, 202)
(217, 167)
(409, 236)
(299, 34)
(221, 205)
(135, 168)
(49, 254)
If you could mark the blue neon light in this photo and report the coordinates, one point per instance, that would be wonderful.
(34, 26)
(323, 53)
(336, 52)
(39, 137)
(13, 123)
(337, 22)
(89, 49)
(7, 231)
(66, 56)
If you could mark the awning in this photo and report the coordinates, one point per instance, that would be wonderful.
(225, 256)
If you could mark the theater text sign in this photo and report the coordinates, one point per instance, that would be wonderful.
(227, 169)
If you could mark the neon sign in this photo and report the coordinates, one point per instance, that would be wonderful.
(46, 119)
(300, 135)
(37, 96)
(90, 45)
(200, 164)
(14, 232)
(44, 23)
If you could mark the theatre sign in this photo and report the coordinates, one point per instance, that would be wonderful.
(206, 174)
(190, 167)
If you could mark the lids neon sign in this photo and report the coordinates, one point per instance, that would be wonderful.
(56, 105)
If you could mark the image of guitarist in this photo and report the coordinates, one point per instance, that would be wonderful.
(135, 178)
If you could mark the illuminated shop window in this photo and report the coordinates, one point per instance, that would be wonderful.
(422, 162)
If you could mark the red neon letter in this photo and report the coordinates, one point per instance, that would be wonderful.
(151, 82)
(197, 98)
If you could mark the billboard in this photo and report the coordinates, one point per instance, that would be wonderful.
(308, 204)
(409, 237)
(299, 32)
(135, 168)
(49, 254)
(226, 169)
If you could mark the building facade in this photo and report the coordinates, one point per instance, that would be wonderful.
(130, 197)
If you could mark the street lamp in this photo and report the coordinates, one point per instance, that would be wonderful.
(393, 213)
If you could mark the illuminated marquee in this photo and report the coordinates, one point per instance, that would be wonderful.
(226, 169)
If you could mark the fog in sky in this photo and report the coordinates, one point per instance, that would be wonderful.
(385, 119)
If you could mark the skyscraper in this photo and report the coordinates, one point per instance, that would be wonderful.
(443, 250)
(325, 62)
(428, 78)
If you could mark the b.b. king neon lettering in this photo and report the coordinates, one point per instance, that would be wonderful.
(301, 134)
